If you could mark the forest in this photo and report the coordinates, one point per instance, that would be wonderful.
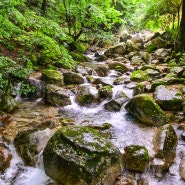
(36, 34)
(92, 92)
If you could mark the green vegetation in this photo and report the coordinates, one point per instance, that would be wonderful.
(42, 34)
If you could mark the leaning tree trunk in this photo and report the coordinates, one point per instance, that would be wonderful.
(182, 29)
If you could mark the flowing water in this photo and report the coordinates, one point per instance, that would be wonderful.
(125, 131)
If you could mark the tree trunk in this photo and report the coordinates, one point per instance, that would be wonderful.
(44, 5)
(182, 29)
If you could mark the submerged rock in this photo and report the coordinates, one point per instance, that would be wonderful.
(56, 95)
(136, 158)
(146, 110)
(165, 143)
(80, 155)
(168, 99)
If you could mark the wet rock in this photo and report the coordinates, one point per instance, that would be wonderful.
(146, 57)
(81, 155)
(105, 92)
(116, 103)
(80, 57)
(137, 60)
(87, 95)
(146, 110)
(101, 81)
(158, 166)
(168, 99)
(159, 42)
(125, 180)
(182, 168)
(29, 143)
(118, 66)
(165, 143)
(139, 89)
(8, 104)
(56, 95)
(136, 158)
(119, 49)
(143, 181)
(161, 53)
(131, 46)
(183, 136)
(101, 70)
(52, 77)
(5, 157)
(139, 76)
(73, 78)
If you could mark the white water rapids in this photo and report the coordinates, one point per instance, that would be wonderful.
(125, 131)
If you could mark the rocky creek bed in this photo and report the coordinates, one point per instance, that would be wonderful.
(119, 119)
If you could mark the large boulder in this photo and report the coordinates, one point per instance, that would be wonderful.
(167, 99)
(81, 155)
(29, 143)
(51, 76)
(146, 110)
(165, 143)
(87, 95)
(73, 78)
(56, 95)
(119, 49)
(136, 158)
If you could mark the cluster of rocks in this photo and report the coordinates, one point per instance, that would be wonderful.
(85, 155)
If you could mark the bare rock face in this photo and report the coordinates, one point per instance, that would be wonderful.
(81, 155)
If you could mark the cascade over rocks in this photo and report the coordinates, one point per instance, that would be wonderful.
(81, 155)
(86, 95)
(29, 143)
(146, 110)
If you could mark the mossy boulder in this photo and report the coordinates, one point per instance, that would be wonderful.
(165, 142)
(139, 76)
(105, 92)
(146, 110)
(139, 89)
(81, 155)
(56, 95)
(167, 99)
(8, 103)
(118, 66)
(118, 49)
(73, 78)
(131, 46)
(136, 158)
(51, 76)
(101, 70)
(79, 57)
(115, 104)
(86, 95)
(29, 143)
